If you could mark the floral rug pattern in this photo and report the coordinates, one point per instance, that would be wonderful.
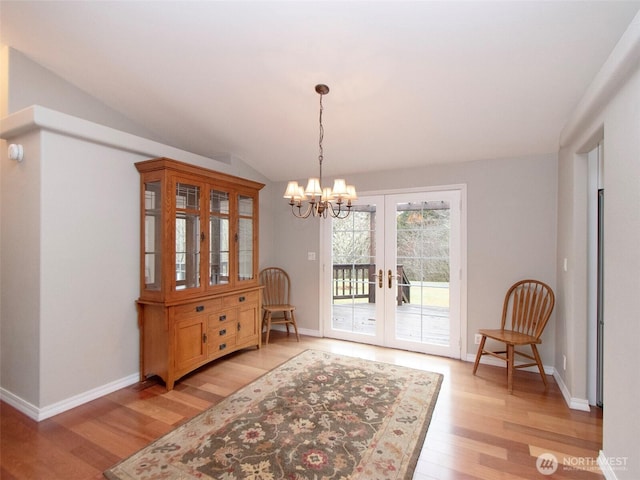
(318, 416)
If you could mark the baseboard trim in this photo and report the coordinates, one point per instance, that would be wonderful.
(607, 471)
(572, 402)
(39, 414)
(301, 331)
(488, 360)
(19, 404)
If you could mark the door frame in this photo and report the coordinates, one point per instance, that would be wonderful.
(595, 265)
(325, 270)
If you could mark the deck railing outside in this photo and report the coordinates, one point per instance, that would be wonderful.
(355, 280)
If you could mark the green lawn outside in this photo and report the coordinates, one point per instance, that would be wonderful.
(434, 294)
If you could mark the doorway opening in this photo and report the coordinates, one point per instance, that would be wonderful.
(595, 294)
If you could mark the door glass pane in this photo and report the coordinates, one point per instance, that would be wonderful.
(422, 294)
(245, 238)
(218, 237)
(187, 236)
(152, 236)
(354, 275)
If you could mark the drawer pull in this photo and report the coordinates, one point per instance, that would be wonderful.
(242, 299)
(222, 318)
(223, 332)
(204, 338)
(222, 346)
(199, 308)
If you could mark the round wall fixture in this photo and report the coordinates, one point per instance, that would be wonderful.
(16, 152)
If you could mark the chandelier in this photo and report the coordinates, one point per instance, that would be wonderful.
(316, 200)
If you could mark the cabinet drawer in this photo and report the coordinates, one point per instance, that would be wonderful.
(221, 340)
(220, 317)
(223, 334)
(240, 299)
(197, 308)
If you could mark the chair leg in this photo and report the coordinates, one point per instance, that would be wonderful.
(286, 321)
(510, 349)
(295, 325)
(479, 354)
(266, 341)
(539, 362)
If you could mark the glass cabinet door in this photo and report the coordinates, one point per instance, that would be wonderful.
(245, 237)
(218, 237)
(188, 236)
(152, 236)
(198, 232)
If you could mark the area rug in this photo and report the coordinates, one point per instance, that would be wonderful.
(317, 416)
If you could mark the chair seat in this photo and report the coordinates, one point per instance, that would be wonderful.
(279, 308)
(509, 336)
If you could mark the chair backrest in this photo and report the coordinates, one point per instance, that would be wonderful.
(277, 287)
(527, 307)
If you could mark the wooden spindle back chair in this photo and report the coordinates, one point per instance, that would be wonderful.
(276, 303)
(526, 310)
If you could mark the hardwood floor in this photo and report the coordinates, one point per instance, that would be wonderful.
(478, 431)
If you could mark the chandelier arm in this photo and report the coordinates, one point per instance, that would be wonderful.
(337, 213)
(346, 214)
(299, 213)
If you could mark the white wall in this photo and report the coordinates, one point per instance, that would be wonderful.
(69, 267)
(609, 110)
(622, 277)
(19, 271)
(89, 267)
(511, 234)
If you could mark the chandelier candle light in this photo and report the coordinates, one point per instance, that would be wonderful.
(321, 201)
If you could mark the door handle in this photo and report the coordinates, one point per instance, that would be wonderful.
(390, 275)
(380, 278)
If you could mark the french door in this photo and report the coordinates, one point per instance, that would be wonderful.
(395, 273)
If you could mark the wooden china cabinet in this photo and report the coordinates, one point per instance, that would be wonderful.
(199, 292)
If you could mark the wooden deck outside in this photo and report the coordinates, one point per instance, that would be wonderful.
(415, 322)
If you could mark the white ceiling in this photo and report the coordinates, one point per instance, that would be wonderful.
(412, 83)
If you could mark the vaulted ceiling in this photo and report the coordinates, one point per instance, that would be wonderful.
(412, 83)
